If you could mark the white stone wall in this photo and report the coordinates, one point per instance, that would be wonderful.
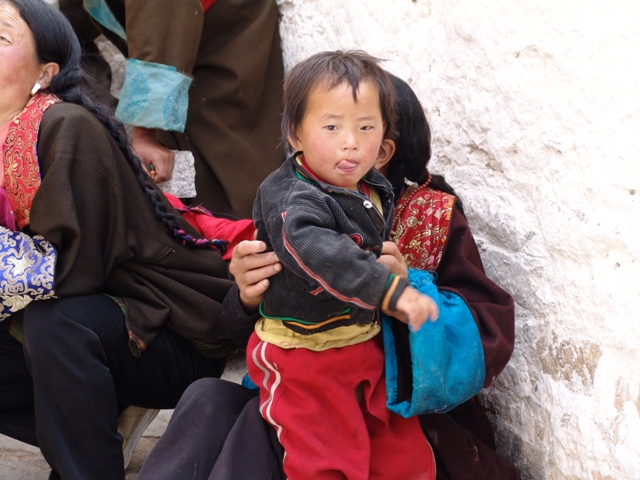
(535, 111)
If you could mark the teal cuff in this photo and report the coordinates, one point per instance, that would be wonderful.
(102, 14)
(447, 357)
(154, 96)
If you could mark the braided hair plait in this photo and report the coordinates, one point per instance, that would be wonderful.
(76, 95)
(56, 42)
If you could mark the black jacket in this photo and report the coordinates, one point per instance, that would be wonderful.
(328, 239)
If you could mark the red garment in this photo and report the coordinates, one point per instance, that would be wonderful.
(3, 134)
(7, 219)
(310, 398)
(421, 225)
(6, 215)
(206, 4)
(21, 169)
(210, 226)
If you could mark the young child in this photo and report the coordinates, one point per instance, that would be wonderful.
(316, 354)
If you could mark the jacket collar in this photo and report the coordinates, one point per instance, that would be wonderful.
(373, 177)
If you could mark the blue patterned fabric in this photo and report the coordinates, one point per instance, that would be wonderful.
(446, 355)
(27, 268)
(154, 96)
(102, 14)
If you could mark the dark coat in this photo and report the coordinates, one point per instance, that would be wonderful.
(92, 209)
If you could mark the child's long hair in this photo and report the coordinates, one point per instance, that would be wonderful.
(413, 144)
(331, 69)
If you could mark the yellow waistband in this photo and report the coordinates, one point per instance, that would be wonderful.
(275, 332)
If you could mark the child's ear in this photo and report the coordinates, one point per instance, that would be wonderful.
(387, 149)
(295, 143)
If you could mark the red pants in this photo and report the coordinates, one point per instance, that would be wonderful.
(309, 397)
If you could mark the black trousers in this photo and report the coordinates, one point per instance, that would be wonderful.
(62, 391)
(216, 432)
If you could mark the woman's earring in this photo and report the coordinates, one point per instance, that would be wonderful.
(35, 89)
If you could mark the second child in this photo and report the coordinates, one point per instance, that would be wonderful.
(316, 354)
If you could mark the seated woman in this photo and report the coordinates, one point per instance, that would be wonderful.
(432, 234)
(108, 297)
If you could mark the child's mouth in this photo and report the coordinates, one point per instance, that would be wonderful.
(347, 166)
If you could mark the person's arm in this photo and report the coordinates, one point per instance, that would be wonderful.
(392, 258)
(77, 202)
(163, 37)
(27, 266)
(153, 154)
(213, 227)
(307, 243)
(251, 268)
(460, 271)
(412, 308)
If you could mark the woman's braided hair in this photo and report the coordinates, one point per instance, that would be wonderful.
(413, 144)
(56, 42)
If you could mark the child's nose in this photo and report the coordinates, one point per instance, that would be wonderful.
(349, 140)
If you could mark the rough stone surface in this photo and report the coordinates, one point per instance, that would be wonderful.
(535, 114)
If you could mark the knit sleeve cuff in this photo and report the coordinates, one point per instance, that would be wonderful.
(154, 96)
(395, 287)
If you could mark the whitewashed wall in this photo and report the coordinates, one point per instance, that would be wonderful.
(535, 110)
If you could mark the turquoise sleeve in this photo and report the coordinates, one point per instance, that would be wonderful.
(102, 14)
(154, 96)
(447, 357)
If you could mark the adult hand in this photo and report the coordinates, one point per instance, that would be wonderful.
(251, 268)
(156, 159)
(392, 258)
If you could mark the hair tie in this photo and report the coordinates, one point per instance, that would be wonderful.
(187, 240)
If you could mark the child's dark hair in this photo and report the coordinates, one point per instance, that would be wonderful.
(413, 144)
(330, 69)
(55, 41)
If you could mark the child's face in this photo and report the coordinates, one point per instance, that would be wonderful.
(341, 138)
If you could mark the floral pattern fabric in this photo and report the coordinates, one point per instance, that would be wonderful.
(27, 267)
(421, 225)
(21, 169)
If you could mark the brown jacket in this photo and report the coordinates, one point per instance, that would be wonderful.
(91, 208)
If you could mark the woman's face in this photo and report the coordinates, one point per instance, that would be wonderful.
(19, 66)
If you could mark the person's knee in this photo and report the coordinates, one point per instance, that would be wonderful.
(41, 320)
(198, 393)
(214, 395)
(50, 323)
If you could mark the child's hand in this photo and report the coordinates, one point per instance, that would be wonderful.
(417, 308)
(392, 258)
